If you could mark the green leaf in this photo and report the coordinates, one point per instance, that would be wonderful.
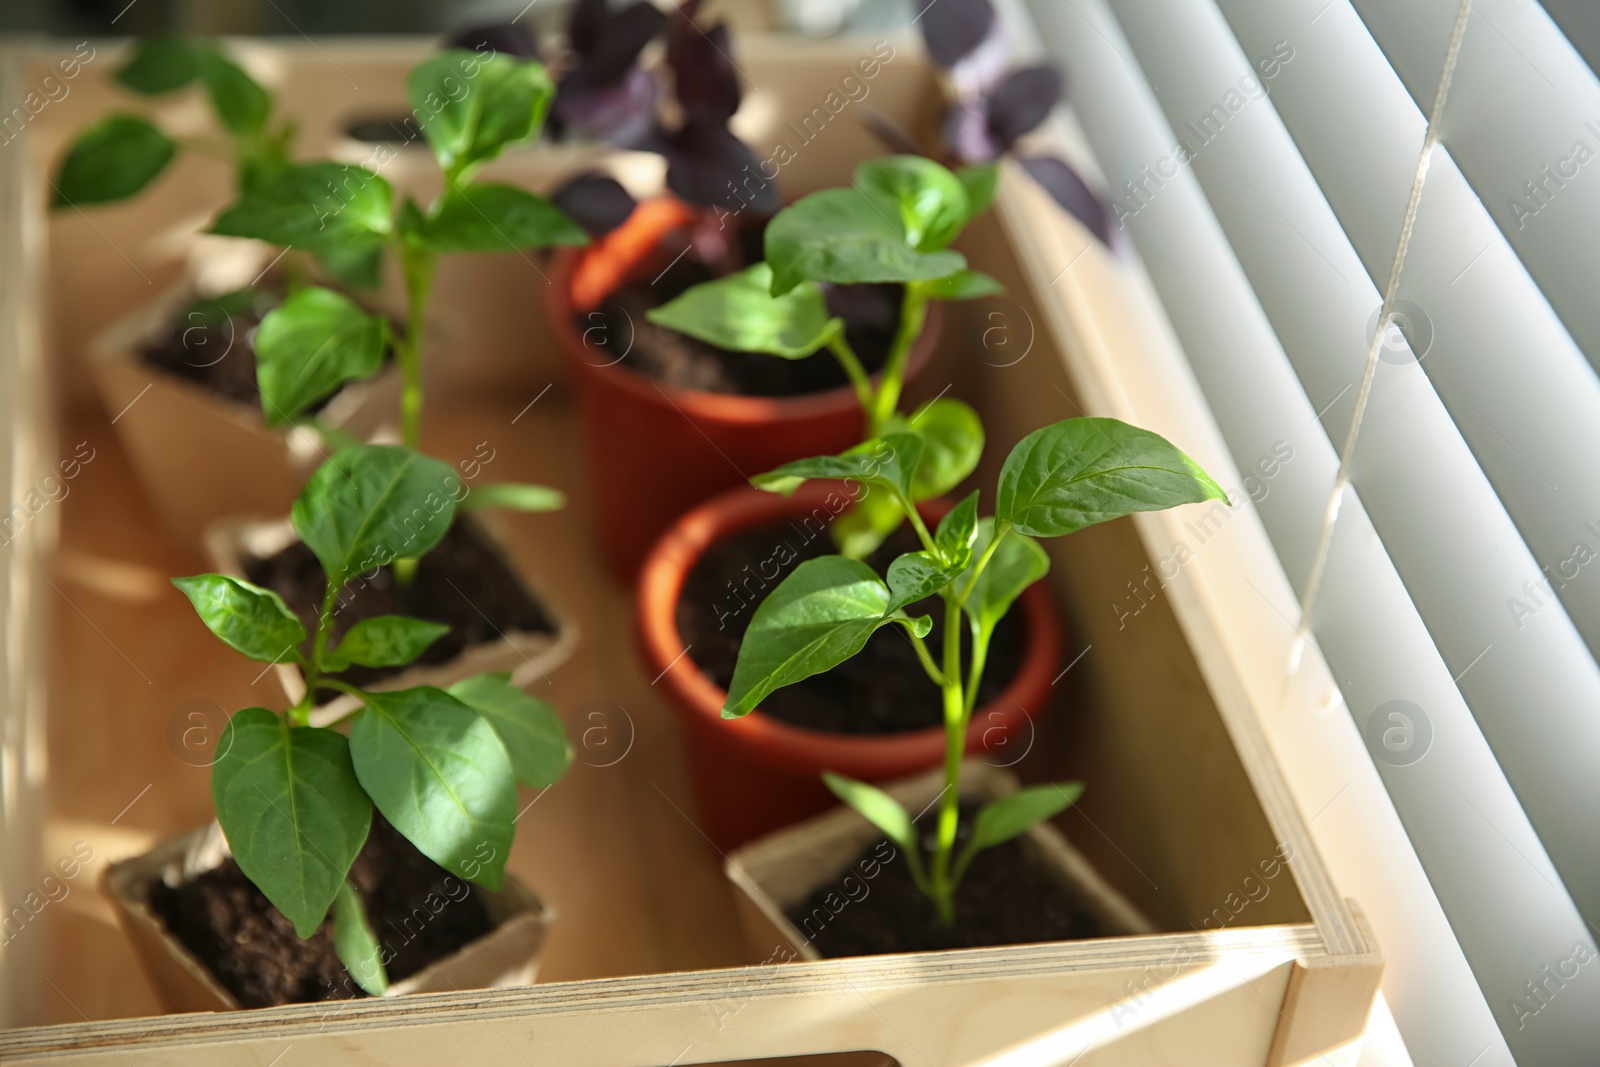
(1016, 813)
(355, 944)
(981, 184)
(372, 504)
(878, 807)
(532, 732)
(320, 207)
(952, 444)
(740, 314)
(250, 619)
(112, 160)
(916, 575)
(497, 218)
(309, 346)
(932, 202)
(292, 810)
(886, 461)
(1082, 471)
(159, 64)
(384, 641)
(859, 531)
(818, 617)
(514, 496)
(361, 267)
(241, 104)
(1017, 563)
(848, 236)
(439, 772)
(957, 531)
(964, 285)
(471, 107)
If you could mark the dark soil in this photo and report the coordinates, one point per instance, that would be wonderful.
(464, 583)
(419, 911)
(871, 314)
(1005, 898)
(211, 343)
(882, 690)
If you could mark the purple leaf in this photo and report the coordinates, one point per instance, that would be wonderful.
(710, 167)
(596, 202)
(891, 133)
(1063, 183)
(498, 38)
(1021, 102)
(953, 28)
(707, 82)
(966, 133)
(623, 114)
(625, 36)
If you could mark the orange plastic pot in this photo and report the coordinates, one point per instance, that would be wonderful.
(755, 774)
(655, 451)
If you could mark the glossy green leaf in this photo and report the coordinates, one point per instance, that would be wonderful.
(372, 504)
(384, 641)
(740, 314)
(957, 531)
(161, 63)
(886, 461)
(916, 575)
(878, 807)
(439, 772)
(1017, 563)
(361, 267)
(964, 285)
(932, 202)
(112, 160)
(472, 107)
(1016, 813)
(249, 619)
(952, 444)
(309, 346)
(497, 218)
(514, 496)
(1082, 471)
(848, 236)
(293, 812)
(534, 735)
(355, 944)
(981, 184)
(240, 103)
(818, 617)
(320, 207)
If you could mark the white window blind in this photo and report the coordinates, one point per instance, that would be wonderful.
(1287, 171)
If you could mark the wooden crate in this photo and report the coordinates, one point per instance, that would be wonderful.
(1185, 814)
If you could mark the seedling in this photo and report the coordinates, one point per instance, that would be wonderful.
(295, 800)
(1056, 481)
(895, 223)
(471, 107)
(119, 156)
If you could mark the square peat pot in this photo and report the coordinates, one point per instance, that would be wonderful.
(528, 655)
(199, 455)
(507, 956)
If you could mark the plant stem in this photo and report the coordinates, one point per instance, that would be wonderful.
(418, 266)
(927, 659)
(942, 881)
(300, 714)
(856, 373)
(913, 315)
(1000, 530)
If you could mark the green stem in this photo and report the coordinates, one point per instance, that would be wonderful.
(910, 508)
(927, 659)
(418, 266)
(1000, 530)
(980, 656)
(942, 877)
(913, 315)
(855, 371)
(300, 714)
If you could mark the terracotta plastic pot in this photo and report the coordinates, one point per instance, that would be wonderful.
(506, 956)
(655, 451)
(755, 774)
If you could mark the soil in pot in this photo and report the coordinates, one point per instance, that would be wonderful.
(464, 583)
(871, 314)
(883, 690)
(1007, 897)
(419, 911)
(210, 342)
